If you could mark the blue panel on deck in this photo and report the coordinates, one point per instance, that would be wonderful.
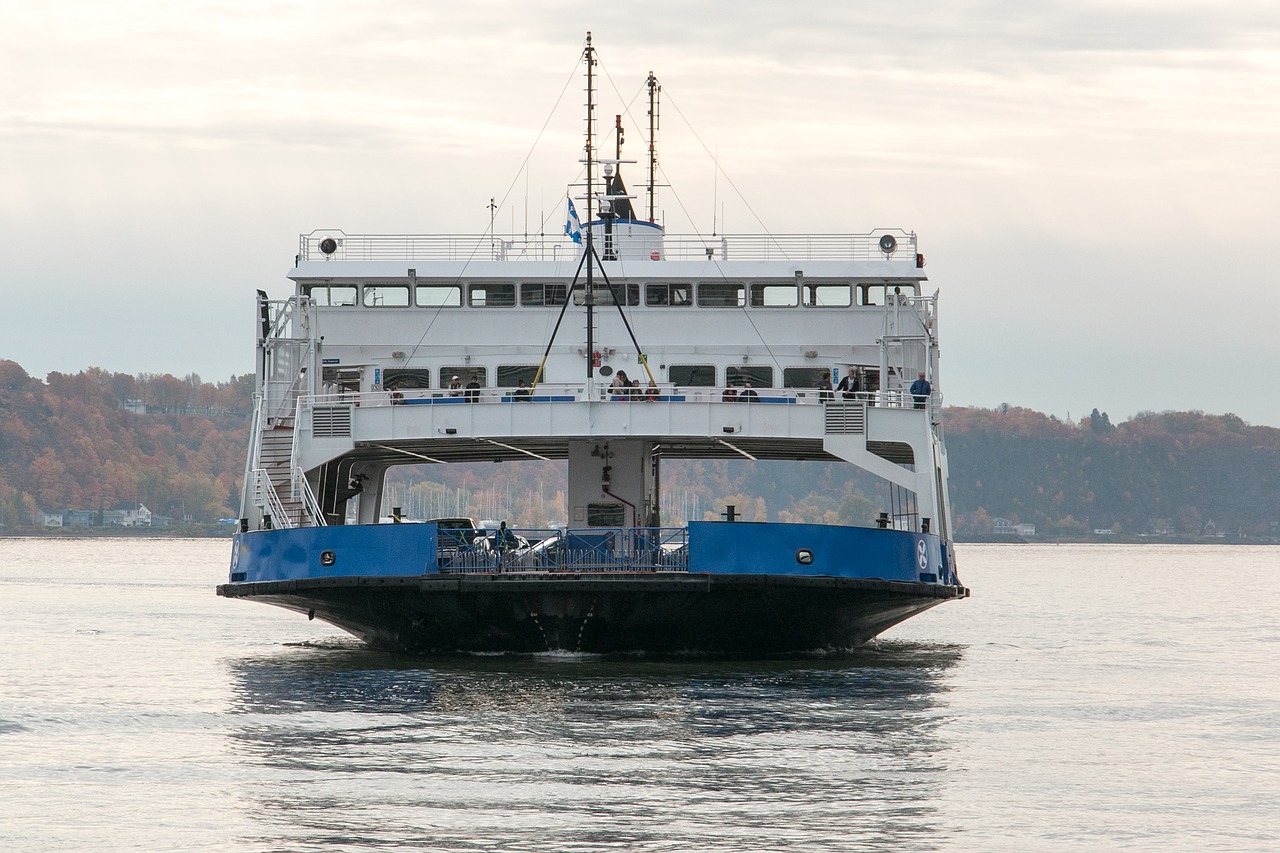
(370, 549)
(776, 549)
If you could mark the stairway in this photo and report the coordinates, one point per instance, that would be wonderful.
(275, 456)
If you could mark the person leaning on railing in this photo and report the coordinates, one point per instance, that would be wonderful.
(849, 384)
(920, 390)
(825, 393)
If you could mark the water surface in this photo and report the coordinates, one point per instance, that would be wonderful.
(1086, 698)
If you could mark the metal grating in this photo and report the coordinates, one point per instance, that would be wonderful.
(846, 418)
(331, 421)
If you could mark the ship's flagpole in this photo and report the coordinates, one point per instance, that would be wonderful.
(590, 56)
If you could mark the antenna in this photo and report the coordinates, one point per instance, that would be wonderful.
(715, 187)
(589, 295)
(493, 209)
(654, 91)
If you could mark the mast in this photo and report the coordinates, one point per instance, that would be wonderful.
(589, 296)
(654, 89)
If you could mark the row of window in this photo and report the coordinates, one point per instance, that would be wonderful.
(681, 375)
(540, 294)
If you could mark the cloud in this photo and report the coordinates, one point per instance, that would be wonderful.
(1088, 178)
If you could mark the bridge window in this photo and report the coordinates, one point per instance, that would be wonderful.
(692, 375)
(668, 294)
(721, 294)
(509, 375)
(773, 295)
(827, 295)
(400, 380)
(331, 294)
(464, 374)
(804, 377)
(881, 294)
(539, 293)
(437, 295)
(759, 375)
(492, 294)
(602, 295)
(386, 295)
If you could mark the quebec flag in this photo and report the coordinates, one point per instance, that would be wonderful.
(572, 226)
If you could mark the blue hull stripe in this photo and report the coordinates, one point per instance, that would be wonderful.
(741, 548)
(845, 552)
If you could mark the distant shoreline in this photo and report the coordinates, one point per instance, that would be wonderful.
(186, 531)
(224, 531)
(1113, 539)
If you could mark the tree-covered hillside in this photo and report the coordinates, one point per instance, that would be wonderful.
(95, 440)
(1183, 471)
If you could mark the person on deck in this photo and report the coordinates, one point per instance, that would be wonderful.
(920, 390)
(473, 389)
(849, 384)
(521, 394)
(455, 387)
(505, 539)
(748, 394)
(620, 387)
(825, 392)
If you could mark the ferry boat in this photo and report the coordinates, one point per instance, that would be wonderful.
(440, 350)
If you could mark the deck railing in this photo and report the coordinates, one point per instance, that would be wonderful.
(676, 247)
(574, 550)
(266, 499)
(668, 394)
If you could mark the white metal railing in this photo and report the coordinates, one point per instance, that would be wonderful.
(596, 549)
(253, 456)
(474, 247)
(896, 398)
(266, 499)
(301, 490)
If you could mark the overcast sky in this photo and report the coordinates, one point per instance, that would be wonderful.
(1094, 183)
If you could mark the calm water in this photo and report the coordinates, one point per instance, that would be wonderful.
(1087, 698)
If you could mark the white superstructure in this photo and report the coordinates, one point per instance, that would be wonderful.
(358, 365)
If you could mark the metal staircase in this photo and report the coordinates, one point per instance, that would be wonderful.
(275, 474)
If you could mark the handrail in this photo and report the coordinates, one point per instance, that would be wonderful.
(691, 247)
(254, 454)
(895, 398)
(595, 549)
(265, 491)
(301, 489)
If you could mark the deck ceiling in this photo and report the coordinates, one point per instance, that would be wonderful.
(514, 449)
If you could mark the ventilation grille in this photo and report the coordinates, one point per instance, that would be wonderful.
(331, 422)
(846, 418)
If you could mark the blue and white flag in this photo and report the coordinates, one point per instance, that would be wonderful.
(572, 226)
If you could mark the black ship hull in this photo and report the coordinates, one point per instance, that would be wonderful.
(659, 613)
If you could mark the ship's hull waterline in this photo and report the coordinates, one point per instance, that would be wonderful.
(661, 613)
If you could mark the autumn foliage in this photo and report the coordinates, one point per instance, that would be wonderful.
(95, 440)
(1190, 470)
